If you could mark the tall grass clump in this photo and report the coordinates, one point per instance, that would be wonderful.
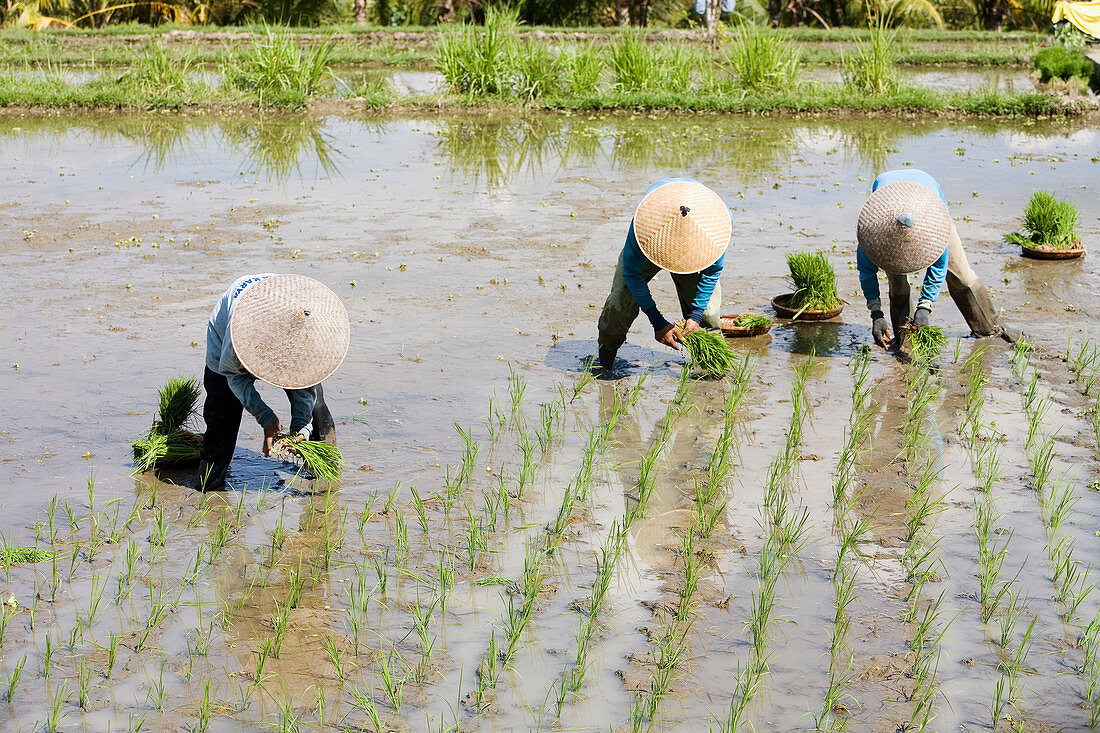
(583, 68)
(277, 71)
(764, 61)
(1050, 223)
(155, 72)
(538, 71)
(870, 69)
(169, 440)
(479, 61)
(814, 282)
(635, 66)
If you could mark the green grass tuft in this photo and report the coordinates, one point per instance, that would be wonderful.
(178, 398)
(168, 439)
(871, 69)
(765, 61)
(814, 282)
(277, 72)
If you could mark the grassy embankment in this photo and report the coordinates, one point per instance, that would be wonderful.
(503, 66)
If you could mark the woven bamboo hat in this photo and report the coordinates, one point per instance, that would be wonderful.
(903, 227)
(682, 226)
(290, 331)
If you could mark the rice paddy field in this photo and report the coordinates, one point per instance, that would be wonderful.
(829, 537)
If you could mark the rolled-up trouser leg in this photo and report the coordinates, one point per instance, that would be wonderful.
(686, 288)
(900, 304)
(324, 427)
(620, 309)
(967, 290)
(222, 412)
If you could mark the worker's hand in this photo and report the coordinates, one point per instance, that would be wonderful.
(670, 336)
(271, 430)
(880, 330)
(920, 318)
(690, 326)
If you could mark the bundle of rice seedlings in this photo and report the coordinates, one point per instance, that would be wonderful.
(710, 352)
(23, 555)
(322, 459)
(752, 320)
(168, 441)
(178, 398)
(928, 342)
(159, 449)
(1049, 222)
(814, 282)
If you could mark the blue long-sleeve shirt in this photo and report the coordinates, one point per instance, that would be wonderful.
(221, 358)
(936, 274)
(634, 260)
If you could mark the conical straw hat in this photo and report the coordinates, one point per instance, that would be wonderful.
(903, 227)
(290, 331)
(682, 226)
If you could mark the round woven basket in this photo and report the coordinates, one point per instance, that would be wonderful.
(783, 309)
(732, 330)
(1050, 253)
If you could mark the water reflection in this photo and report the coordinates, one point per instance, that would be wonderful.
(278, 147)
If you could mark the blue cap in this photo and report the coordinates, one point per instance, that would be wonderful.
(905, 218)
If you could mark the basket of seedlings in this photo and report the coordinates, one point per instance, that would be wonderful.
(321, 459)
(815, 296)
(709, 352)
(739, 325)
(1051, 227)
(169, 442)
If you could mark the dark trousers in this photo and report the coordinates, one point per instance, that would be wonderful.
(222, 412)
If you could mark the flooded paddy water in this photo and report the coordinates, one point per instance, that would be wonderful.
(473, 255)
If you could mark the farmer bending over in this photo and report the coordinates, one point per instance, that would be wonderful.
(288, 330)
(680, 226)
(905, 227)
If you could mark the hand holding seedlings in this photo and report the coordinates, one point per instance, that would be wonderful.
(671, 336)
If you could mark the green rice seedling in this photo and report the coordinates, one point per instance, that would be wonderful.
(634, 66)
(927, 342)
(1041, 466)
(84, 683)
(360, 700)
(332, 653)
(710, 352)
(10, 555)
(1035, 419)
(814, 282)
(13, 679)
(583, 380)
(1049, 223)
(418, 506)
(393, 685)
(279, 622)
(544, 431)
(764, 61)
(527, 470)
(683, 388)
(287, 722)
(47, 655)
(870, 69)
(401, 539)
(56, 711)
(517, 388)
(1061, 505)
(381, 569)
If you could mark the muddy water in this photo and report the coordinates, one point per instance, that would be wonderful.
(462, 246)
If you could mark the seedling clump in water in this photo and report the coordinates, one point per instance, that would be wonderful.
(814, 282)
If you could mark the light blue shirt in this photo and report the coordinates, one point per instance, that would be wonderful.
(936, 274)
(221, 358)
(634, 260)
